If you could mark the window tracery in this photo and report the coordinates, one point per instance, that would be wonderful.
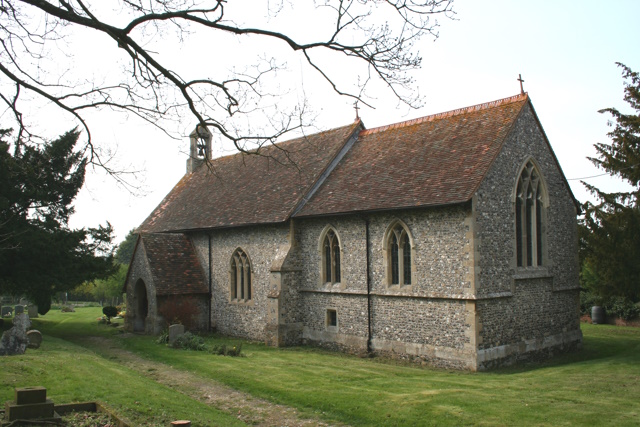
(530, 218)
(331, 258)
(399, 256)
(240, 285)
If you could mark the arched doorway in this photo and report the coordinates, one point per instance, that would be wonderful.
(142, 307)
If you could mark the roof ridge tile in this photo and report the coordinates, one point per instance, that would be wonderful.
(456, 112)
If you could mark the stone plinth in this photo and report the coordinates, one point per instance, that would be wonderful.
(13, 411)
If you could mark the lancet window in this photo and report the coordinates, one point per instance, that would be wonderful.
(399, 256)
(240, 285)
(331, 258)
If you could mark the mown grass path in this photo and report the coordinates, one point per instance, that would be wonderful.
(248, 409)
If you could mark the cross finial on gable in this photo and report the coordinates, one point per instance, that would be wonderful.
(355, 106)
(521, 81)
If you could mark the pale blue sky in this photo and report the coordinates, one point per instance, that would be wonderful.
(565, 50)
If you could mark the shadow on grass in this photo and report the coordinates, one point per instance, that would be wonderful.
(599, 342)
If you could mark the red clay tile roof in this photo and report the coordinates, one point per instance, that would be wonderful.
(435, 160)
(174, 265)
(248, 189)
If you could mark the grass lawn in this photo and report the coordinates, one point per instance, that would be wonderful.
(599, 385)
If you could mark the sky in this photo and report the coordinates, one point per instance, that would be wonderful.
(565, 51)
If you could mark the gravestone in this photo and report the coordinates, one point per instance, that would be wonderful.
(30, 403)
(15, 341)
(33, 311)
(6, 311)
(19, 309)
(35, 338)
(175, 331)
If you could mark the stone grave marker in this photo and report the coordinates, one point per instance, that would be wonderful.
(19, 309)
(33, 311)
(6, 311)
(35, 338)
(175, 331)
(15, 341)
(30, 403)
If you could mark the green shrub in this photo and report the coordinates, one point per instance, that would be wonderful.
(224, 350)
(622, 307)
(65, 309)
(164, 337)
(189, 341)
(110, 311)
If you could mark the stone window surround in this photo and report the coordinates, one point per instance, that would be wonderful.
(328, 320)
(386, 252)
(322, 281)
(534, 271)
(245, 261)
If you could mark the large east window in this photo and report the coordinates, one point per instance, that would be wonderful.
(530, 218)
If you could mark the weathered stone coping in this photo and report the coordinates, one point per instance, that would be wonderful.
(494, 295)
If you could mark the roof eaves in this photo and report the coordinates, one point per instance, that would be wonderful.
(380, 210)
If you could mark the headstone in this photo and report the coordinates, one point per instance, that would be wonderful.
(19, 309)
(35, 338)
(6, 311)
(29, 395)
(33, 311)
(175, 331)
(15, 341)
(30, 403)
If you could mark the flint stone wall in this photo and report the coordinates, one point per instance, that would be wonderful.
(535, 309)
(140, 271)
(235, 318)
(406, 321)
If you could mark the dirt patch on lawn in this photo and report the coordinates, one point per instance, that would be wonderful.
(245, 407)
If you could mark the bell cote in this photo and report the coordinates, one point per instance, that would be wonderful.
(199, 147)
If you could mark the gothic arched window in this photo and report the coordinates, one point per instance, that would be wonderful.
(240, 285)
(331, 258)
(398, 256)
(530, 218)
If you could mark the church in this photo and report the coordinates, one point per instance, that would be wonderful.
(449, 240)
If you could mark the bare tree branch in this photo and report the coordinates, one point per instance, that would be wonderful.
(379, 35)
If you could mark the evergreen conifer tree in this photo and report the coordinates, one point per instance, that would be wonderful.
(39, 254)
(610, 239)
